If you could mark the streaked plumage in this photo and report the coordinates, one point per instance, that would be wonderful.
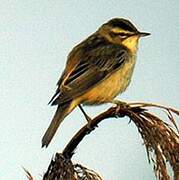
(97, 70)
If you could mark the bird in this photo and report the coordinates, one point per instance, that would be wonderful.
(97, 70)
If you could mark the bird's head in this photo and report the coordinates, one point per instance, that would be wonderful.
(121, 31)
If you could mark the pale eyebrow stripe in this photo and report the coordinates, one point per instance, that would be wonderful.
(118, 31)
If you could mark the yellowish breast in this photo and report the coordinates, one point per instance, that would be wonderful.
(108, 89)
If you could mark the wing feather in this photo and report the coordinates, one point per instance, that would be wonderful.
(94, 67)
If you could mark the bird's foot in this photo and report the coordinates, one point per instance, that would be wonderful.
(89, 125)
(119, 105)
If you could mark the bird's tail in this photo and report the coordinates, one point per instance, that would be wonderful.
(61, 112)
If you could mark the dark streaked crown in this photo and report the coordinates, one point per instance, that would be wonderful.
(122, 23)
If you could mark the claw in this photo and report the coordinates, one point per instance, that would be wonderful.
(119, 105)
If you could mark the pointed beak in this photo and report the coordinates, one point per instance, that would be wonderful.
(142, 34)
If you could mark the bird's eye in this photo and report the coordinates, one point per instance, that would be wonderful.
(122, 35)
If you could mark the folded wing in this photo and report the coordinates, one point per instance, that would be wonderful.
(94, 66)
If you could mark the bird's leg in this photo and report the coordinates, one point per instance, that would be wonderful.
(84, 113)
(86, 116)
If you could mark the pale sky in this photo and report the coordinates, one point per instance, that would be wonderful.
(35, 39)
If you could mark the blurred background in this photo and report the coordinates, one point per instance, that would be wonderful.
(35, 39)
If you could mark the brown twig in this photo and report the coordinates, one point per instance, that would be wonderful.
(159, 137)
(71, 146)
(85, 130)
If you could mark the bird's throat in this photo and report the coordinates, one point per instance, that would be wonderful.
(131, 43)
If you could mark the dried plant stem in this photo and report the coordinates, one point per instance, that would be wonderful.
(159, 137)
